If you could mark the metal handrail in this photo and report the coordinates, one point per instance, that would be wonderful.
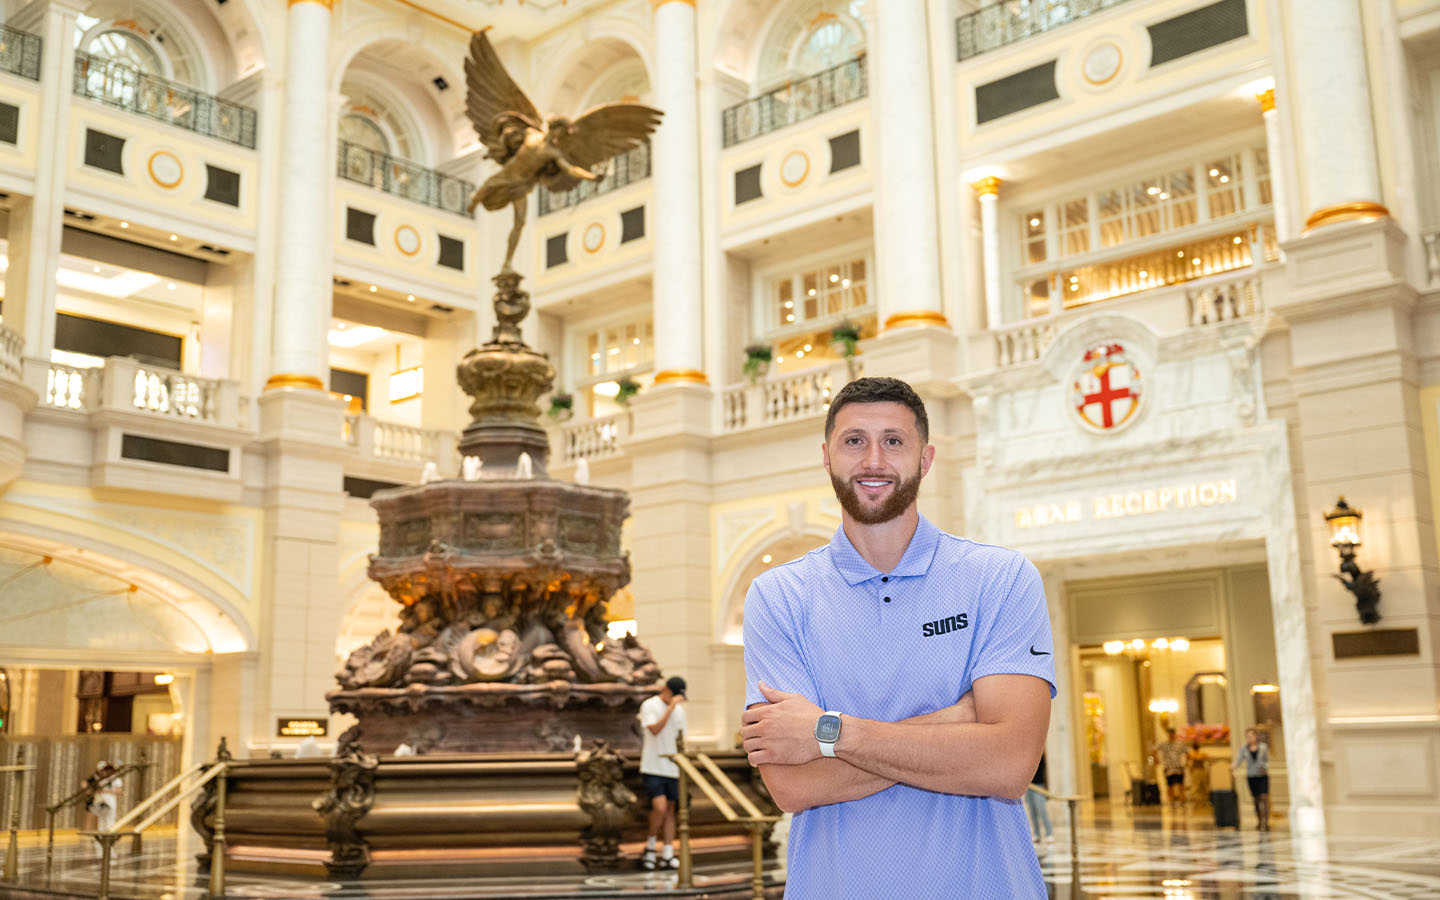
(753, 819)
(403, 178)
(89, 790)
(107, 839)
(795, 101)
(20, 52)
(127, 87)
(1074, 831)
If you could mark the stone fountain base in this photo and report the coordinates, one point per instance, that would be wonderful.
(496, 717)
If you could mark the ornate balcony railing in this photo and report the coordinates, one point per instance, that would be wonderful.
(403, 178)
(592, 438)
(116, 84)
(627, 168)
(20, 53)
(401, 443)
(124, 384)
(795, 102)
(12, 345)
(1008, 21)
(771, 401)
(1432, 255)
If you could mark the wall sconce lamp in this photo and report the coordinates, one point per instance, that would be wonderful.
(1344, 525)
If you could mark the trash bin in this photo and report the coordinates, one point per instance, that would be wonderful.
(1227, 808)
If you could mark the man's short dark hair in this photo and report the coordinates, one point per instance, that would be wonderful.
(880, 390)
(676, 684)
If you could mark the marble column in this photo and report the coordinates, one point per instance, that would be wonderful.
(1279, 173)
(907, 233)
(678, 312)
(1336, 131)
(304, 232)
(988, 190)
(37, 221)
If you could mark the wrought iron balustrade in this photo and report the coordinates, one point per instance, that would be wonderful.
(126, 87)
(20, 52)
(403, 178)
(795, 102)
(1009, 21)
(622, 170)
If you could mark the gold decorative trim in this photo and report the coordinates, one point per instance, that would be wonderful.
(659, 3)
(1267, 100)
(150, 167)
(990, 184)
(287, 380)
(917, 317)
(803, 175)
(328, 4)
(674, 376)
(1119, 63)
(585, 238)
(400, 247)
(433, 14)
(1364, 210)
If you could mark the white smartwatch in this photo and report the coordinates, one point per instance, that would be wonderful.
(827, 732)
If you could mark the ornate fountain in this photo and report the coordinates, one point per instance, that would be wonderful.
(504, 576)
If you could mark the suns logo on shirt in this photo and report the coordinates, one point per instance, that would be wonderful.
(945, 625)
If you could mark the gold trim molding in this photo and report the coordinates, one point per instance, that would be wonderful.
(1267, 100)
(1364, 210)
(990, 184)
(328, 4)
(288, 380)
(917, 317)
(659, 3)
(678, 376)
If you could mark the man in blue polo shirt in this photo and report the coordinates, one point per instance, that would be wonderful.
(899, 682)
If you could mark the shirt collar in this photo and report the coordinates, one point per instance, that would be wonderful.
(916, 561)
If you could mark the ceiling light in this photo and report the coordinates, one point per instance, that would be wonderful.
(94, 268)
(607, 388)
(834, 278)
(340, 336)
(373, 289)
(1034, 223)
(1144, 274)
(845, 282)
(1264, 689)
(164, 678)
(1214, 172)
(790, 318)
(807, 348)
(594, 356)
(635, 341)
(789, 304)
(410, 297)
(1164, 196)
(810, 293)
(1114, 648)
(1160, 644)
(124, 224)
(799, 354)
(1180, 253)
(171, 285)
(1224, 179)
(1180, 645)
(1152, 191)
(1237, 239)
(1195, 262)
(1137, 644)
(766, 559)
(174, 237)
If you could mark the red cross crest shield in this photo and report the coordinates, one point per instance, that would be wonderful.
(1106, 391)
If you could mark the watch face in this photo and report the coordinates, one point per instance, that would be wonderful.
(827, 729)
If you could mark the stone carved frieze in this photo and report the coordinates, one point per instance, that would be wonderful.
(603, 796)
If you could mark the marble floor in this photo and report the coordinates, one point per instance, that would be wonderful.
(1125, 856)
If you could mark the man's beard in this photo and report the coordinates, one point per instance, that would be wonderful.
(901, 496)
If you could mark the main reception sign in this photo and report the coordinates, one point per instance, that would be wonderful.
(1129, 503)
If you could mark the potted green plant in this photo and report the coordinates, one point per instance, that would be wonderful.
(562, 406)
(845, 337)
(628, 387)
(757, 361)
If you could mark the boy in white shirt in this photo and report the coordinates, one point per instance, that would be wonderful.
(663, 719)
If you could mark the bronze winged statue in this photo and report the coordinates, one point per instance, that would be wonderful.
(558, 152)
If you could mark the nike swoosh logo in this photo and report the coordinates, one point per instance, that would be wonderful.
(1034, 652)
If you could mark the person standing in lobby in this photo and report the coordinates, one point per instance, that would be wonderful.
(1255, 760)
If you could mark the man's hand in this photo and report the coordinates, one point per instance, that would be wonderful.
(782, 732)
(676, 699)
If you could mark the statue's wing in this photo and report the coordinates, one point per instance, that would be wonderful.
(490, 91)
(607, 131)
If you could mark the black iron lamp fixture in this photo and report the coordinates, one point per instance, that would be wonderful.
(1344, 525)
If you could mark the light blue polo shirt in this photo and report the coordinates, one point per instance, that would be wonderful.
(889, 646)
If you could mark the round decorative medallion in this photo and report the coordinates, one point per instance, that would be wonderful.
(1106, 389)
(165, 169)
(794, 168)
(407, 240)
(593, 238)
(1102, 63)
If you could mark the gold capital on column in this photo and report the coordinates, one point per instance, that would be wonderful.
(1267, 100)
(328, 4)
(990, 184)
(289, 380)
(917, 317)
(659, 3)
(673, 376)
(1365, 210)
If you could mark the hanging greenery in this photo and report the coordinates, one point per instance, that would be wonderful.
(846, 338)
(628, 388)
(562, 406)
(757, 361)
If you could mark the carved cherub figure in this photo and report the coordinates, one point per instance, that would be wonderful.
(557, 152)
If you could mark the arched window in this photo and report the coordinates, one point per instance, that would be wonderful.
(827, 46)
(809, 37)
(363, 131)
(126, 47)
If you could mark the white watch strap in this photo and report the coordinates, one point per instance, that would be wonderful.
(828, 748)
